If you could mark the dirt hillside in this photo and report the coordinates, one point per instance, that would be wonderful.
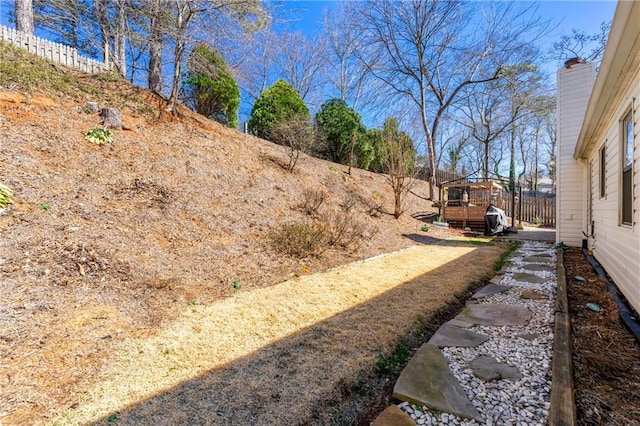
(107, 242)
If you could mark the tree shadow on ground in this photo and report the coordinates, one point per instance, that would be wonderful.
(306, 377)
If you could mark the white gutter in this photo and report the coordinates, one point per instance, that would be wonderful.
(619, 56)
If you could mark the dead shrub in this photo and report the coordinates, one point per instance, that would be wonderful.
(312, 200)
(374, 205)
(348, 204)
(335, 229)
(343, 229)
(300, 239)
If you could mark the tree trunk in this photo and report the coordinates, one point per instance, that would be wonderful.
(182, 22)
(119, 38)
(100, 10)
(24, 16)
(111, 118)
(155, 48)
(485, 173)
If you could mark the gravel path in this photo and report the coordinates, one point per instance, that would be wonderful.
(528, 348)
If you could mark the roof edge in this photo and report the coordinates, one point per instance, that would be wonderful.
(625, 29)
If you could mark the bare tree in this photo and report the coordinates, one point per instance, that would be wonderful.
(432, 49)
(346, 53)
(300, 61)
(490, 110)
(112, 17)
(186, 13)
(398, 164)
(69, 22)
(589, 47)
(550, 147)
(154, 78)
(256, 69)
(24, 15)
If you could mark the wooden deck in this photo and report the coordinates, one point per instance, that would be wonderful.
(465, 204)
(465, 216)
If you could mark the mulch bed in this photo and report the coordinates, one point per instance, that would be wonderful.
(606, 356)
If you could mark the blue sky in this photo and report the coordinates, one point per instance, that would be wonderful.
(564, 16)
(307, 15)
(585, 15)
(582, 14)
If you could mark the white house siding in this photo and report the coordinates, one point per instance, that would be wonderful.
(617, 247)
(574, 88)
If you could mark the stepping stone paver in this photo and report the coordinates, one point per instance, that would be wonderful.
(537, 267)
(452, 336)
(496, 280)
(495, 314)
(543, 254)
(489, 290)
(533, 295)
(488, 369)
(393, 416)
(528, 336)
(538, 259)
(459, 323)
(528, 278)
(427, 381)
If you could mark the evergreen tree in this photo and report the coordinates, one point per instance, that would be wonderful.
(342, 138)
(210, 88)
(279, 103)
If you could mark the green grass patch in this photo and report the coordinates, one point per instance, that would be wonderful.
(505, 255)
(5, 196)
(23, 71)
(397, 359)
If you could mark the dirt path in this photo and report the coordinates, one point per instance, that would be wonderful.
(271, 355)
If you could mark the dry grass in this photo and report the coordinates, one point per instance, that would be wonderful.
(268, 356)
(108, 249)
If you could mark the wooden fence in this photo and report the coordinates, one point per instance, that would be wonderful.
(533, 208)
(536, 209)
(55, 52)
(442, 176)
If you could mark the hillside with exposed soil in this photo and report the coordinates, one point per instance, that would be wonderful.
(103, 243)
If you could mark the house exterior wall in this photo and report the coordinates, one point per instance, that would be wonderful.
(574, 89)
(616, 92)
(616, 246)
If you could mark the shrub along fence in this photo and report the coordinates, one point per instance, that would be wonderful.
(52, 51)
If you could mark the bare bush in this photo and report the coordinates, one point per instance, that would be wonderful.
(343, 229)
(374, 204)
(296, 135)
(337, 229)
(312, 200)
(300, 239)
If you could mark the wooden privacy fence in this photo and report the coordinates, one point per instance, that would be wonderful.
(55, 52)
(442, 176)
(536, 209)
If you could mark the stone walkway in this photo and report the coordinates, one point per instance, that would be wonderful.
(531, 233)
(491, 365)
